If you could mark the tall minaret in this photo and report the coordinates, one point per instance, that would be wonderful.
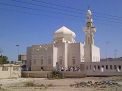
(89, 29)
(89, 38)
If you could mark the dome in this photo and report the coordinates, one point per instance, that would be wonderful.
(64, 31)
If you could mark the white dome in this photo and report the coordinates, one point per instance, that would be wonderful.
(64, 31)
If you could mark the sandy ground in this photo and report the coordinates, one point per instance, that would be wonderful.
(55, 85)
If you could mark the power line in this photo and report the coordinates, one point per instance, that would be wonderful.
(47, 15)
(68, 7)
(113, 19)
(62, 6)
(38, 14)
(59, 12)
(49, 7)
(109, 15)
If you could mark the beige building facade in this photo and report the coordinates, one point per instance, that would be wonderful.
(56, 56)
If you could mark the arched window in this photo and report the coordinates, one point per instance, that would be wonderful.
(111, 67)
(73, 60)
(4, 68)
(49, 60)
(115, 67)
(98, 67)
(119, 67)
(102, 66)
(60, 60)
(41, 60)
(106, 67)
(94, 68)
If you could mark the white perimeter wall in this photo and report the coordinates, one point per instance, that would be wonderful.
(100, 69)
(10, 73)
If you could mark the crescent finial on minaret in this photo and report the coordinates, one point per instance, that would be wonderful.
(89, 16)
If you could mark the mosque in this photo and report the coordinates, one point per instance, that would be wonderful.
(66, 54)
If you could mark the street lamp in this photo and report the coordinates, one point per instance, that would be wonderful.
(17, 51)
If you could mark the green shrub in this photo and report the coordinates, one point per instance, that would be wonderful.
(30, 84)
(55, 75)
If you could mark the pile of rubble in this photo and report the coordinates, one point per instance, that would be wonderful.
(101, 84)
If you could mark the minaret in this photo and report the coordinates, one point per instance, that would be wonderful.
(89, 38)
(89, 29)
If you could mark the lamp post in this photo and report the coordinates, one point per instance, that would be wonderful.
(17, 51)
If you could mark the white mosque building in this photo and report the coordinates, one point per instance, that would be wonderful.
(64, 53)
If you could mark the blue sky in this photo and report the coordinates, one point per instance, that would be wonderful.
(28, 22)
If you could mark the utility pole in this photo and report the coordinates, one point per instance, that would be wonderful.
(115, 53)
(1, 51)
(107, 43)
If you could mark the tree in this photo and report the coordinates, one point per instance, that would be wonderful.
(3, 59)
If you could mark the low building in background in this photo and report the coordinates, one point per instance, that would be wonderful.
(10, 71)
(22, 58)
